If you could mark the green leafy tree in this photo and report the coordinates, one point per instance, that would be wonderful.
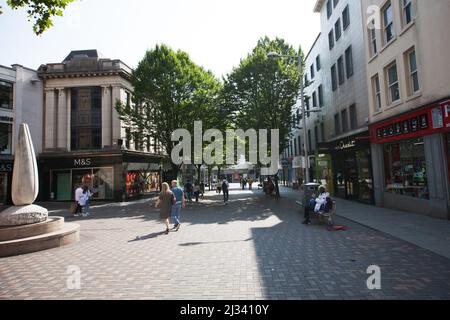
(261, 92)
(40, 11)
(172, 92)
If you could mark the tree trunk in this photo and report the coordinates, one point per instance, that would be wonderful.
(199, 172)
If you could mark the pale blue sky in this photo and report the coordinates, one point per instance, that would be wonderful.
(216, 33)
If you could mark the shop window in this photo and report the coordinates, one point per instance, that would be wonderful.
(6, 95)
(99, 181)
(5, 138)
(405, 169)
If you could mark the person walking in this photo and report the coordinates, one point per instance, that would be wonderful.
(226, 191)
(165, 202)
(188, 190)
(85, 201)
(196, 191)
(78, 195)
(179, 204)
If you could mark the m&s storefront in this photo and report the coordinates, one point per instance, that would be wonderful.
(411, 161)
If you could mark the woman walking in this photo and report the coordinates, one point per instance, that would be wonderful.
(165, 202)
(85, 200)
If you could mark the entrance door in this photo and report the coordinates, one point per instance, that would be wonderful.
(3, 188)
(63, 186)
(346, 176)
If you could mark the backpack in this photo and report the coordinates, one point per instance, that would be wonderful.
(328, 205)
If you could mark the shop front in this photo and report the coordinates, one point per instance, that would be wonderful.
(412, 156)
(345, 166)
(109, 176)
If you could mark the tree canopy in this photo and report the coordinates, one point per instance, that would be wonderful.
(172, 92)
(40, 11)
(261, 92)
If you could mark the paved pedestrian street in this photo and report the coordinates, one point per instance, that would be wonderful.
(254, 248)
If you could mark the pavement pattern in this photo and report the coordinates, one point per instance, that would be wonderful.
(254, 248)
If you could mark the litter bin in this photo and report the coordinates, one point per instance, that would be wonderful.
(307, 192)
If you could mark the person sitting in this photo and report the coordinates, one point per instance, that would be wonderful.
(318, 204)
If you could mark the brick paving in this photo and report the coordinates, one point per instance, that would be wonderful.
(254, 248)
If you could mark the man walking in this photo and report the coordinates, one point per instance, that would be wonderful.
(225, 189)
(188, 188)
(180, 203)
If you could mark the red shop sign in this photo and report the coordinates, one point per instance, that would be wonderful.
(429, 120)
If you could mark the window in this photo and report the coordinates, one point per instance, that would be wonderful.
(299, 141)
(312, 71)
(128, 138)
(306, 79)
(388, 23)
(322, 132)
(333, 78)
(377, 92)
(335, 3)
(320, 96)
(316, 136)
(413, 79)
(407, 10)
(344, 118)
(329, 9)
(309, 141)
(337, 29)
(86, 118)
(406, 169)
(373, 39)
(337, 125)
(314, 99)
(6, 95)
(295, 147)
(353, 118)
(349, 62)
(346, 17)
(393, 85)
(5, 138)
(331, 39)
(341, 74)
(318, 65)
(307, 106)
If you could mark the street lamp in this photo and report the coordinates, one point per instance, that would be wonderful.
(302, 99)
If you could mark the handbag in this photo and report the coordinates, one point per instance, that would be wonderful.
(73, 208)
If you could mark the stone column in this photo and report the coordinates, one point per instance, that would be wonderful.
(68, 119)
(61, 137)
(437, 175)
(106, 117)
(116, 123)
(49, 118)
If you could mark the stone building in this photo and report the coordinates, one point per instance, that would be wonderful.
(85, 141)
(408, 77)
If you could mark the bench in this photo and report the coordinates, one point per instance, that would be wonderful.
(326, 217)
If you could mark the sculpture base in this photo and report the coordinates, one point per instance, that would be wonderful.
(23, 215)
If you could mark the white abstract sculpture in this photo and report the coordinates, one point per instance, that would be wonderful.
(25, 185)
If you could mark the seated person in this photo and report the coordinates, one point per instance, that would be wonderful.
(319, 204)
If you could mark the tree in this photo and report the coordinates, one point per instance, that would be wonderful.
(261, 92)
(41, 11)
(171, 93)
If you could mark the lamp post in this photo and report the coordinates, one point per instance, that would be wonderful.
(302, 100)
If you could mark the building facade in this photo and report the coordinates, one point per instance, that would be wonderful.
(20, 102)
(409, 96)
(337, 126)
(84, 139)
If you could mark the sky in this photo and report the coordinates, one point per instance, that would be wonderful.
(217, 34)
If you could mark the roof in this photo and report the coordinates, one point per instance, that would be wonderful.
(83, 53)
(319, 5)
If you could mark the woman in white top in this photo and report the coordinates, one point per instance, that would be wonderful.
(84, 200)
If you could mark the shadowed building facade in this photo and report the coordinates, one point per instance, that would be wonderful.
(85, 141)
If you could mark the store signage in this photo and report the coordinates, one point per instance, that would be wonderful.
(82, 162)
(345, 145)
(6, 167)
(434, 119)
